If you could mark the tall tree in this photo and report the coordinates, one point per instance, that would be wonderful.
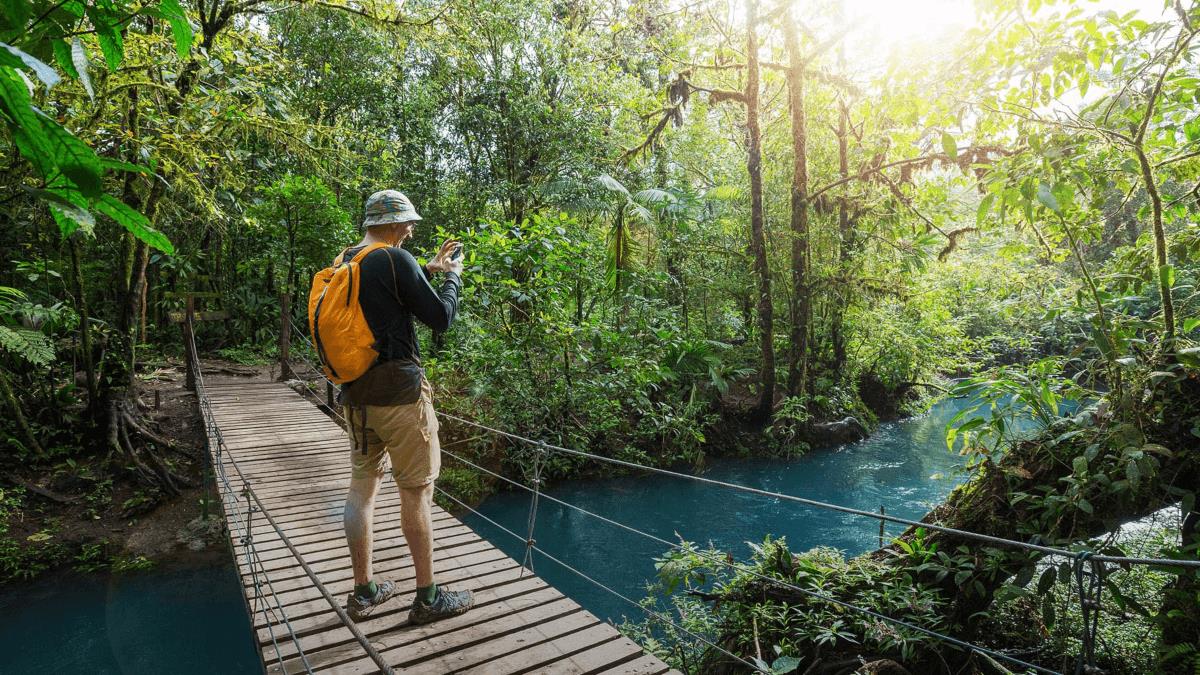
(758, 243)
(801, 299)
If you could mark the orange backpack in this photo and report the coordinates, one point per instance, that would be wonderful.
(340, 332)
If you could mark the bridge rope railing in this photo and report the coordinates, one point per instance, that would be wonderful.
(1089, 581)
(229, 496)
(242, 521)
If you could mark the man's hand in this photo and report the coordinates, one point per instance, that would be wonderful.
(442, 262)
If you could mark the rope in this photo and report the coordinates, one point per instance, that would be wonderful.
(538, 460)
(734, 566)
(658, 615)
(966, 534)
(202, 395)
(253, 560)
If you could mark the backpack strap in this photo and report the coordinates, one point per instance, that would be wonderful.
(341, 257)
(367, 251)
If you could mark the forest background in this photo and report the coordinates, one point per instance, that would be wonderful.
(691, 228)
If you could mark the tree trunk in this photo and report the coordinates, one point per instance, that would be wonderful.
(1160, 248)
(840, 301)
(801, 308)
(85, 333)
(758, 245)
(14, 405)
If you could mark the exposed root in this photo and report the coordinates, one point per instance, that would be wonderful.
(124, 428)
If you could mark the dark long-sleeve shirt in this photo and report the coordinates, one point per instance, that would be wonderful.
(390, 302)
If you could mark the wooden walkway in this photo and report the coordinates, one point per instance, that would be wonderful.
(295, 459)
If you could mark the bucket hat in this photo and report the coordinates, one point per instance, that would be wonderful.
(389, 206)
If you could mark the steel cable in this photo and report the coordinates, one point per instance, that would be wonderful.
(734, 566)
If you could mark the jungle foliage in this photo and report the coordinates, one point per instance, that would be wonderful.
(690, 228)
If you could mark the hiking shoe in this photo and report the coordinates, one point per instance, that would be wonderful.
(445, 605)
(360, 608)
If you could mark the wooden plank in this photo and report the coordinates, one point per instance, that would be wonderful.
(314, 616)
(597, 657)
(474, 551)
(302, 605)
(647, 664)
(348, 657)
(507, 636)
(536, 655)
(179, 317)
(388, 630)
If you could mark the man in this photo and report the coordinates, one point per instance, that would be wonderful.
(390, 408)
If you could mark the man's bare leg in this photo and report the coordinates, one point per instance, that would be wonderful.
(416, 521)
(358, 520)
(432, 603)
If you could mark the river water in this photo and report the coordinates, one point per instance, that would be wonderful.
(194, 621)
(904, 467)
(160, 621)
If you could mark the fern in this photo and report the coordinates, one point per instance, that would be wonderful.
(8, 296)
(29, 345)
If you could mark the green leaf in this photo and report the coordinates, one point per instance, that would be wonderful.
(1190, 356)
(1079, 465)
(118, 165)
(62, 56)
(985, 207)
(134, 222)
(69, 209)
(1189, 325)
(949, 145)
(180, 28)
(74, 158)
(16, 11)
(29, 345)
(1046, 581)
(612, 184)
(1024, 576)
(29, 135)
(108, 32)
(1086, 506)
(15, 58)
(1132, 473)
(1047, 198)
(785, 664)
(80, 60)
(1166, 275)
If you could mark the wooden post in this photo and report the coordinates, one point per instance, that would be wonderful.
(189, 341)
(329, 394)
(285, 338)
(882, 512)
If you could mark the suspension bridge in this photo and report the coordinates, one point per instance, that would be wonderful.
(281, 467)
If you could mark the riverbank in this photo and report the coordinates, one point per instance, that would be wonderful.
(87, 513)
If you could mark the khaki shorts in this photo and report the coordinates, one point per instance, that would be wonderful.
(407, 435)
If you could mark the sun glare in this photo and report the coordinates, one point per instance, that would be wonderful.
(884, 26)
(888, 23)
